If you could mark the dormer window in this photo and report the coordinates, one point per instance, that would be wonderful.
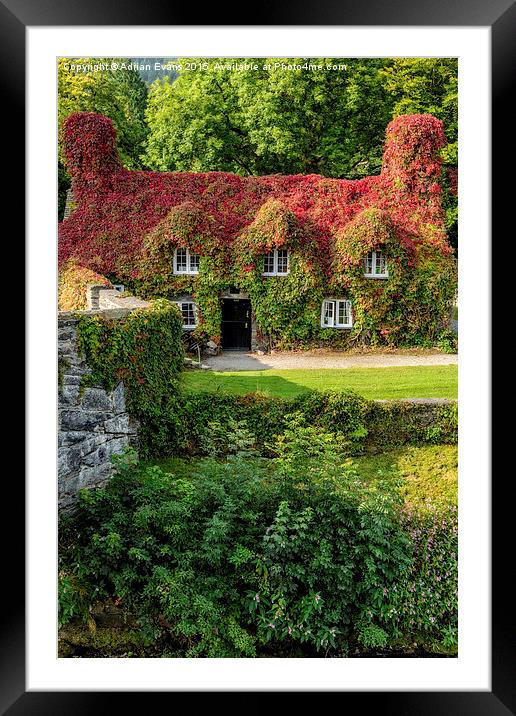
(186, 262)
(276, 263)
(375, 265)
(336, 313)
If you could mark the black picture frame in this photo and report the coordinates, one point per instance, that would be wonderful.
(500, 16)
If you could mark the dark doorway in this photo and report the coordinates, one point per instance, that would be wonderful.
(236, 324)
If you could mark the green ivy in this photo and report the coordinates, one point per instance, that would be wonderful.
(408, 308)
(143, 350)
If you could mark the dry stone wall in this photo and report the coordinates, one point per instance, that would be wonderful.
(93, 424)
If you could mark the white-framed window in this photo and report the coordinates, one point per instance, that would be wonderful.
(336, 313)
(276, 263)
(189, 312)
(185, 261)
(375, 265)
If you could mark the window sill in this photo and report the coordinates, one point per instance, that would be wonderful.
(371, 275)
(339, 328)
(276, 274)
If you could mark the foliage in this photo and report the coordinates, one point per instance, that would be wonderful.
(399, 423)
(430, 86)
(424, 604)
(446, 425)
(188, 226)
(119, 94)
(271, 119)
(128, 224)
(72, 282)
(229, 438)
(286, 308)
(111, 90)
(251, 556)
(143, 350)
(447, 341)
(73, 599)
(365, 425)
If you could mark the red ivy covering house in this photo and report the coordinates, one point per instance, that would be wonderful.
(271, 260)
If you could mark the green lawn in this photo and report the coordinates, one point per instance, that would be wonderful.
(372, 383)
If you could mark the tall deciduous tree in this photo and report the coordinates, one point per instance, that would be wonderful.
(273, 119)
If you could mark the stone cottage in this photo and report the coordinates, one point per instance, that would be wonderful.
(271, 261)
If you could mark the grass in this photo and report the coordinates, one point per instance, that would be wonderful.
(373, 383)
(429, 471)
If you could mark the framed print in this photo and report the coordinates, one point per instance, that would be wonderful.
(35, 677)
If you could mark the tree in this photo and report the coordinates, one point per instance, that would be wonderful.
(282, 117)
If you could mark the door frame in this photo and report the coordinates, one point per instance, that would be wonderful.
(231, 293)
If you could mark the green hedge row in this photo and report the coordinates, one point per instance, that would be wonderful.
(144, 350)
(367, 425)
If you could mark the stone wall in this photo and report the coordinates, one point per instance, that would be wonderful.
(93, 424)
(103, 297)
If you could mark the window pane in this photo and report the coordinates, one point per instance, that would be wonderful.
(181, 265)
(187, 309)
(268, 263)
(194, 263)
(368, 262)
(282, 261)
(380, 263)
(344, 313)
(328, 313)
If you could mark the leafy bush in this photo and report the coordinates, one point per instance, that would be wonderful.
(365, 424)
(424, 604)
(250, 555)
(447, 341)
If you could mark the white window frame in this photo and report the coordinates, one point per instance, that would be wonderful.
(188, 327)
(188, 271)
(333, 321)
(373, 273)
(275, 271)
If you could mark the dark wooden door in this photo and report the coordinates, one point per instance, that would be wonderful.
(236, 324)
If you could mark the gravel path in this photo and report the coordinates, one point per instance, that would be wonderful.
(236, 360)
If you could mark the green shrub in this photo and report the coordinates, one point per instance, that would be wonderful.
(250, 554)
(424, 604)
(447, 341)
(298, 542)
(366, 425)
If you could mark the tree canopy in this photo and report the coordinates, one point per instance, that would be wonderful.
(270, 120)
